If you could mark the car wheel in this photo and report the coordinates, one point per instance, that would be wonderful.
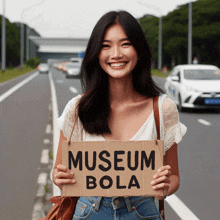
(180, 108)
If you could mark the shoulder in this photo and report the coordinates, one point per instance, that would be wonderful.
(166, 104)
(74, 100)
(71, 105)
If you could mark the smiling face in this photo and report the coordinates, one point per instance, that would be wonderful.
(117, 57)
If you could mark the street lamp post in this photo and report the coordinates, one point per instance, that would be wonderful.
(3, 61)
(21, 45)
(160, 45)
(190, 34)
(27, 43)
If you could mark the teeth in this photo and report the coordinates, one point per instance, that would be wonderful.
(117, 64)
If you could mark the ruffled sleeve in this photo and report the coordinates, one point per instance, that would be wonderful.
(173, 130)
(68, 118)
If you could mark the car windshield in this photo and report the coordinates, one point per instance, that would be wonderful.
(202, 74)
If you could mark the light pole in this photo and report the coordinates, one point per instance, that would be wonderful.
(3, 61)
(190, 34)
(21, 45)
(27, 42)
(160, 45)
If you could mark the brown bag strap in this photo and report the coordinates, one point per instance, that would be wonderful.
(157, 122)
(157, 116)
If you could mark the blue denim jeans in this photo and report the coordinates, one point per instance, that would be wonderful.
(117, 208)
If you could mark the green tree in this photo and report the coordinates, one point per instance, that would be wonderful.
(12, 43)
(205, 33)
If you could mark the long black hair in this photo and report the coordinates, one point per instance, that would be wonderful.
(94, 108)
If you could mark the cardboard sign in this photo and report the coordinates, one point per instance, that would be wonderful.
(112, 168)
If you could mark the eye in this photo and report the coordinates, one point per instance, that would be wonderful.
(105, 45)
(126, 44)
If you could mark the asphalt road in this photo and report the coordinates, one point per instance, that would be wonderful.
(24, 116)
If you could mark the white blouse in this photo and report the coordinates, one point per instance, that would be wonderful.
(171, 129)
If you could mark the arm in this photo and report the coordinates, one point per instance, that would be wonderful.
(167, 177)
(61, 174)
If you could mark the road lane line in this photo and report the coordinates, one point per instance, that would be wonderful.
(42, 179)
(37, 211)
(16, 87)
(73, 90)
(56, 132)
(44, 156)
(48, 129)
(204, 122)
(46, 141)
(180, 208)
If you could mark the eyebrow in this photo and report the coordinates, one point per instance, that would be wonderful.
(123, 39)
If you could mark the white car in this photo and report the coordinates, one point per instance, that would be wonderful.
(43, 68)
(72, 70)
(194, 86)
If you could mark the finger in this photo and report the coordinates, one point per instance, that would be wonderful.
(63, 168)
(166, 167)
(65, 181)
(161, 186)
(163, 173)
(62, 175)
(160, 180)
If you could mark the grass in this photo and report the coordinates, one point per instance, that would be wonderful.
(159, 73)
(51, 155)
(46, 189)
(12, 72)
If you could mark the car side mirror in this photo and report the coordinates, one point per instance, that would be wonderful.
(175, 78)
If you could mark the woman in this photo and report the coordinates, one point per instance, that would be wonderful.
(118, 98)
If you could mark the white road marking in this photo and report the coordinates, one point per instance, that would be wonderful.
(46, 141)
(38, 211)
(59, 81)
(204, 122)
(73, 90)
(180, 208)
(56, 132)
(40, 191)
(42, 179)
(48, 129)
(44, 156)
(16, 87)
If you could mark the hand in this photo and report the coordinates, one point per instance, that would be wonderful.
(161, 180)
(62, 175)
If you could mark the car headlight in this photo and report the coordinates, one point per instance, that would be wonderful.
(190, 89)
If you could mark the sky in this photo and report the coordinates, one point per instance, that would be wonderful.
(76, 18)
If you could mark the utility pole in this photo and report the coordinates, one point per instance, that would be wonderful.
(190, 34)
(27, 43)
(3, 61)
(160, 45)
(21, 45)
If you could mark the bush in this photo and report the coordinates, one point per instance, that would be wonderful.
(33, 62)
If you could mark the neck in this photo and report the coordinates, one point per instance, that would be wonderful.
(121, 91)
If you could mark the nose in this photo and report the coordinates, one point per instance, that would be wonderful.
(116, 52)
